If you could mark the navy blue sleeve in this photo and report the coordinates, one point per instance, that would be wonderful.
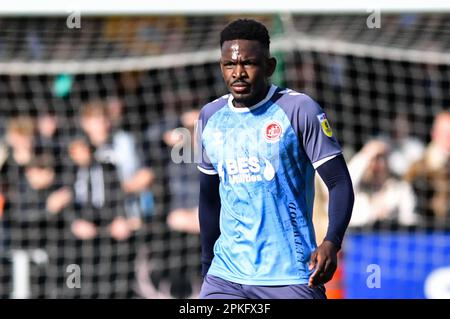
(341, 197)
(319, 141)
(209, 213)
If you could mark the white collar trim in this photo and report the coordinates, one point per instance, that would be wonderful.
(248, 109)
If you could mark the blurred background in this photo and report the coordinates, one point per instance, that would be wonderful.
(93, 107)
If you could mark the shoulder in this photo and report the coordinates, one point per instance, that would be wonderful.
(211, 108)
(293, 101)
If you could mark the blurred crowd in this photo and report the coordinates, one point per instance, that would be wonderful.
(85, 198)
(94, 181)
(35, 38)
(399, 181)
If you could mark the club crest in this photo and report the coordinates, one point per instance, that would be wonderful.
(273, 131)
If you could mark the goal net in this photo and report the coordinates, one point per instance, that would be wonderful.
(93, 204)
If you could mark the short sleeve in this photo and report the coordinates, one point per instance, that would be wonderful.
(319, 140)
(204, 163)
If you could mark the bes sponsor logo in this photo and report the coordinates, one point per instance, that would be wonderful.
(246, 170)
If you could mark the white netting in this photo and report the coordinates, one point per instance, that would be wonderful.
(371, 82)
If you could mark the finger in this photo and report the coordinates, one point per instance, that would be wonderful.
(313, 260)
(319, 269)
(328, 272)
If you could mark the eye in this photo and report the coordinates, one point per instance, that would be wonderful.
(229, 64)
(249, 63)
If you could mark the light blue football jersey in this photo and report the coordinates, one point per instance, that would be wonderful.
(266, 157)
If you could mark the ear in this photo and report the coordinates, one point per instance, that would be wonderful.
(271, 65)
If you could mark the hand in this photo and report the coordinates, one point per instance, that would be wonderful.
(140, 181)
(189, 118)
(184, 220)
(58, 200)
(119, 229)
(134, 223)
(83, 229)
(324, 260)
(375, 148)
(172, 137)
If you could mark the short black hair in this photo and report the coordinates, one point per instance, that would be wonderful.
(42, 160)
(245, 29)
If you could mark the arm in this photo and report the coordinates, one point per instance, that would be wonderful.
(361, 160)
(209, 212)
(140, 181)
(59, 199)
(337, 178)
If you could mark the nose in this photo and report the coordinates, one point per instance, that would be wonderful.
(239, 71)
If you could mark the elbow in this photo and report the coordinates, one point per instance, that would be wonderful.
(351, 194)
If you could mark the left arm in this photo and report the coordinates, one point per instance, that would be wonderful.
(341, 197)
(323, 150)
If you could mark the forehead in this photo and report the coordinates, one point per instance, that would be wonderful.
(94, 117)
(243, 48)
(38, 169)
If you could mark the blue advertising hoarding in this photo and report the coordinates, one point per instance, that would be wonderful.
(397, 265)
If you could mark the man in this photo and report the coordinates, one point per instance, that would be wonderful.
(260, 146)
(100, 223)
(430, 175)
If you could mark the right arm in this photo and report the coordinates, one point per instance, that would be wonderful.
(209, 198)
(209, 213)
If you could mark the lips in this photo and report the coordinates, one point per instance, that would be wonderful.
(240, 87)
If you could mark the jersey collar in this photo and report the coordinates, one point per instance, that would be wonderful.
(253, 107)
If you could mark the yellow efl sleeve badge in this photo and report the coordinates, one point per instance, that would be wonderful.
(326, 128)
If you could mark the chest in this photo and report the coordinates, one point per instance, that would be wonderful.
(263, 135)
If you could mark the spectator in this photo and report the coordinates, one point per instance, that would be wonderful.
(405, 149)
(16, 153)
(184, 177)
(32, 218)
(97, 185)
(379, 196)
(51, 138)
(136, 178)
(47, 129)
(100, 221)
(183, 186)
(20, 136)
(173, 137)
(430, 175)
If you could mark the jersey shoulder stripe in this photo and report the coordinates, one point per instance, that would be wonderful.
(310, 123)
(206, 113)
(211, 108)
